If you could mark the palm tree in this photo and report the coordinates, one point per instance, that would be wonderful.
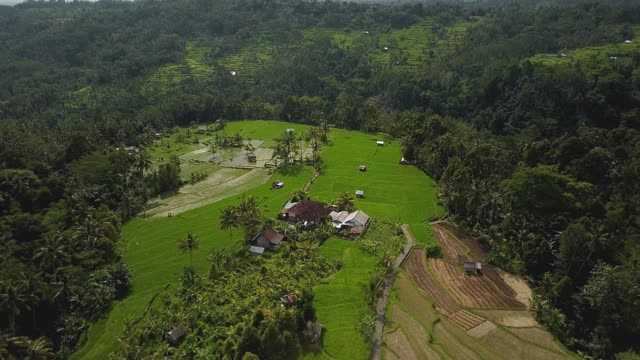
(14, 298)
(229, 219)
(306, 249)
(249, 215)
(39, 349)
(52, 254)
(373, 289)
(142, 162)
(314, 137)
(189, 244)
(220, 259)
(345, 202)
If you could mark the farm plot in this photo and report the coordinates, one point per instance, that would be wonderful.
(223, 184)
(454, 250)
(460, 247)
(471, 291)
(415, 329)
(470, 246)
(416, 267)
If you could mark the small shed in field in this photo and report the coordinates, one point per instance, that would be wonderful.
(360, 194)
(175, 336)
(380, 143)
(202, 130)
(256, 250)
(252, 158)
(363, 168)
(472, 268)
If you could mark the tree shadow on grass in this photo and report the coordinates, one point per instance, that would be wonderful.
(292, 170)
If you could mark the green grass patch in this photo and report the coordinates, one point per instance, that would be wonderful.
(169, 76)
(341, 301)
(394, 192)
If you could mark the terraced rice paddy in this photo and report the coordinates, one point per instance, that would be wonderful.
(474, 291)
(405, 48)
(415, 330)
(596, 61)
(500, 331)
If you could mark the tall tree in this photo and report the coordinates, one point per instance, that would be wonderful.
(142, 162)
(52, 254)
(345, 202)
(14, 299)
(249, 215)
(189, 244)
(229, 219)
(314, 138)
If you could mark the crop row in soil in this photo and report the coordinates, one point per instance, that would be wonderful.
(416, 268)
(478, 250)
(475, 291)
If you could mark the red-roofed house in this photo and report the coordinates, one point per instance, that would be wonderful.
(307, 211)
(269, 238)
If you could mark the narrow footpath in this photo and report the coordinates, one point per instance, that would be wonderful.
(382, 302)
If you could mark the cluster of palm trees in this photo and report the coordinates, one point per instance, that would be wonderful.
(246, 215)
(289, 146)
(21, 347)
(286, 148)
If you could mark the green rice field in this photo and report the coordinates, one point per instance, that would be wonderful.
(394, 192)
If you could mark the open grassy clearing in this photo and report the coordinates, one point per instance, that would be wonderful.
(171, 75)
(249, 59)
(397, 193)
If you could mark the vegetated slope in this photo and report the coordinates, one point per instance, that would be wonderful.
(462, 298)
(595, 61)
(340, 303)
(154, 260)
(401, 48)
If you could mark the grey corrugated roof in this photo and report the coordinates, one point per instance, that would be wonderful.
(256, 249)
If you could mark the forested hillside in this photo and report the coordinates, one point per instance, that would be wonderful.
(527, 116)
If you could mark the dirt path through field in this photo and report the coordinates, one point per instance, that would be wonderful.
(221, 185)
(381, 307)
